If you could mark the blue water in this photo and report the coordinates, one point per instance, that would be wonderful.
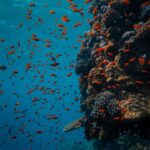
(26, 98)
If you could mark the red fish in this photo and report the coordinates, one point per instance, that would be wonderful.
(94, 11)
(35, 38)
(51, 12)
(77, 24)
(53, 75)
(67, 109)
(47, 45)
(126, 50)
(137, 26)
(32, 4)
(132, 60)
(139, 82)
(110, 54)
(146, 4)
(52, 117)
(87, 1)
(141, 61)
(112, 64)
(69, 74)
(117, 118)
(69, 1)
(100, 49)
(60, 25)
(11, 52)
(65, 19)
(126, 2)
(28, 66)
(102, 110)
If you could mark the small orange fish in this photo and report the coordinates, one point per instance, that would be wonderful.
(53, 75)
(51, 12)
(29, 17)
(69, 74)
(126, 64)
(47, 40)
(139, 82)
(87, 1)
(65, 19)
(137, 26)
(86, 76)
(102, 110)
(126, 50)
(47, 45)
(95, 18)
(28, 66)
(69, 1)
(105, 61)
(53, 117)
(117, 118)
(11, 52)
(146, 4)
(77, 24)
(35, 38)
(94, 11)
(73, 5)
(130, 100)
(111, 64)
(109, 87)
(118, 85)
(78, 10)
(126, 2)
(32, 4)
(145, 71)
(61, 25)
(97, 82)
(141, 61)
(67, 109)
(110, 54)
(100, 49)
(132, 60)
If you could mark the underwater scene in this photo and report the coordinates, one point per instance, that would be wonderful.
(74, 74)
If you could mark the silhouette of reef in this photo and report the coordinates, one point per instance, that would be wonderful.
(114, 69)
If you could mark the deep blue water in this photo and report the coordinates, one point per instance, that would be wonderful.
(29, 96)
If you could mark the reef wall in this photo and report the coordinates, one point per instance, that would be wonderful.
(114, 69)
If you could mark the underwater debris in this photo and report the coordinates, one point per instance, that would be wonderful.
(114, 69)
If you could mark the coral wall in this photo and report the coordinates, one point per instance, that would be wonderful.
(114, 69)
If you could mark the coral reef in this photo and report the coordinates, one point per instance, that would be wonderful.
(114, 69)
